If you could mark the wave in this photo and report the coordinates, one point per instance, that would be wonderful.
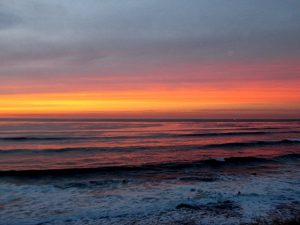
(233, 145)
(260, 143)
(28, 138)
(224, 134)
(230, 161)
(159, 135)
(24, 138)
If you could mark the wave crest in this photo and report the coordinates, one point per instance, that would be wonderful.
(230, 161)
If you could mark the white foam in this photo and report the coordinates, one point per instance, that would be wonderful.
(146, 201)
(294, 139)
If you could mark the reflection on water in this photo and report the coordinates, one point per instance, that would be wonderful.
(58, 144)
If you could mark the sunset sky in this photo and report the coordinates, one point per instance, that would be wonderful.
(150, 58)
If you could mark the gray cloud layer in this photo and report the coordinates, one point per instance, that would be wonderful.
(54, 37)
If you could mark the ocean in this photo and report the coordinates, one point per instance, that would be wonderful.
(96, 171)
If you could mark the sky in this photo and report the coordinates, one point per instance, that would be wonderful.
(158, 58)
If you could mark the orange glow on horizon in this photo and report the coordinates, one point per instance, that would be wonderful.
(160, 100)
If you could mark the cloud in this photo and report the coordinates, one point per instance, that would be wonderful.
(97, 38)
(8, 20)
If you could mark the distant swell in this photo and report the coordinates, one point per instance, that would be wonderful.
(231, 161)
(261, 143)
